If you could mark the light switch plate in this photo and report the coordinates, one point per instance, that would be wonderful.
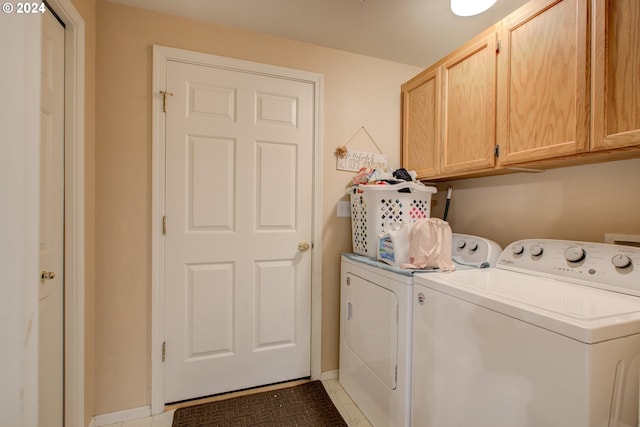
(343, 209)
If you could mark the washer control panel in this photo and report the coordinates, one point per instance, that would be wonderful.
(612, 267)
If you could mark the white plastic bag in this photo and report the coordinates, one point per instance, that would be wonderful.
(430, 243)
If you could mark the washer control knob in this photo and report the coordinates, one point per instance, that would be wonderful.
(621, 261)
(517, 249)
(574, 254)
(473, 246)
(536, 250)
(461, 244)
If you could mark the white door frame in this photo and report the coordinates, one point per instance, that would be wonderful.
(74, 248)
(161, 55)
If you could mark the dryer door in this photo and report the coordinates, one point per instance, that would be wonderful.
(371, 327)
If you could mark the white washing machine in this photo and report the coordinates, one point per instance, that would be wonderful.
(375, 329)
(548, 338)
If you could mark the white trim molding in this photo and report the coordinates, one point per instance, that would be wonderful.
(329, 375)
(161, 56)
(74, 360)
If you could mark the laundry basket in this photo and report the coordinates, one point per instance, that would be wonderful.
(375, 207)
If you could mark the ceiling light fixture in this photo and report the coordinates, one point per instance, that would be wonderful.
(470, 7)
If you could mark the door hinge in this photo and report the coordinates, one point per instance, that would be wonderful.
(498, 46)
(164, 225)
(496, 150)
(164, 99)
(164, 350)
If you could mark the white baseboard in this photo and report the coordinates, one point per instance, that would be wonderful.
(329, 375)
(121, 416)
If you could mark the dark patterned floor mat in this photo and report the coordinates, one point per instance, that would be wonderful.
(303, 405)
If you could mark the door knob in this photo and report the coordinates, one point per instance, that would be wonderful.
(303, 246)
(47, 275)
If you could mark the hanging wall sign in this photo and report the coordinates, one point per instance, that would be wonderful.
(349, 160)
(355, 160)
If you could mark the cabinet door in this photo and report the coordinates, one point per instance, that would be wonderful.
(543, 92)
(421, 123)
(616, 74)
(469, 107)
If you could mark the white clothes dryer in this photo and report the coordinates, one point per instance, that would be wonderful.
(375, 329)
(548, 338)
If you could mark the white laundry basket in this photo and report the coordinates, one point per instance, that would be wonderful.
(375, 207)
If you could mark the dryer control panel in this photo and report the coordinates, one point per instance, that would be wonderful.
(606, 266)
(472, 250)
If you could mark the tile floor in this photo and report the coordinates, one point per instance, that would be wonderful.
(162, 420)
(349, 411)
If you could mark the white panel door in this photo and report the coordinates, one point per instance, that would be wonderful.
(239, 153)
(50, 337)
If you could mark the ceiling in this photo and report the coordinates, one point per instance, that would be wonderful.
(415, 32)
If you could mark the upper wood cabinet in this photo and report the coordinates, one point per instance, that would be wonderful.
(543, 90)
(616, 74)
(469, 107)
(421, 123)
(563, 89)
(448, 112)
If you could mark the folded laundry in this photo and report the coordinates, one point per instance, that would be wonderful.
(371, 176)
(402, 174)
(363, 176)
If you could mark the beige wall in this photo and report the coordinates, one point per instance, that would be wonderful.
(574, 203)
(358, 91)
